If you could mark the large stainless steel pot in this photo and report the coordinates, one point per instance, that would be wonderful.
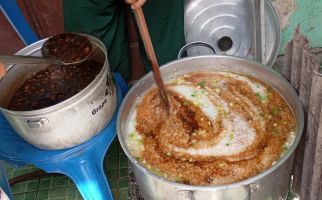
(70, 122)
(272, 183)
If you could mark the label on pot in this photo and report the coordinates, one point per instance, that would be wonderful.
(99, 107)
(185, 195)
(108, 92)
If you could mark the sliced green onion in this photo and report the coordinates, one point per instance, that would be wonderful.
(201, 83)
(194, 93)
(231, 136)
(285, 147)
(226, 114)
(275, 111)
(261, 97)
(275, 131)
(133, 135)
(213, 83)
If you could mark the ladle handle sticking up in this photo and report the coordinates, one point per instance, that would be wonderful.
(140, 20)
(3, 70)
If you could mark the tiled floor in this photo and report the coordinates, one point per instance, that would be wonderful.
(60, 187)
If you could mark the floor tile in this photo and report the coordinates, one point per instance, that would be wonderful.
(113, 162)
(112, 173)
(59, 198)
(123, 194)
(123, 161)
(44, 184)
(33, 185)
(57, 192)
(113, 150)
(59, 182)
(19, 196)
(43, 195)
(19, 188)
(114, 193)
(123, 183)
(72, 193)
(49, 176)
(79, 197)
(123, 172)
(113, 183)
(30, 196)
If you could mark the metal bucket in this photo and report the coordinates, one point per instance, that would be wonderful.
(70, 122)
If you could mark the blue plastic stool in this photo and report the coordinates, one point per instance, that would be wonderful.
(83, 163)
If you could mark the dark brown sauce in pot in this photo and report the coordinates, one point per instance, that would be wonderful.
(67, 47)
(54, 85)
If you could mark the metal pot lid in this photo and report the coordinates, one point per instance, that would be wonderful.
(229, 26)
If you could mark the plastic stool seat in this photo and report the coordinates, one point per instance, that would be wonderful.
(83, 163)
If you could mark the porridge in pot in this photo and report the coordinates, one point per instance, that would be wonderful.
(222, 128)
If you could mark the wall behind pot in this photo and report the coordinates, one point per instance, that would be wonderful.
(306, 12)
(44, 17)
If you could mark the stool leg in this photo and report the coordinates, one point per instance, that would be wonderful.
(87, 173)
(90, 180)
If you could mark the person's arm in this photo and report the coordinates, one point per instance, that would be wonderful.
(135, 4)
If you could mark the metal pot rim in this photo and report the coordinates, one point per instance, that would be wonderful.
(273, 58)
(245, 182)
(59, 106)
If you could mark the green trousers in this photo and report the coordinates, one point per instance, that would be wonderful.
(105, 19)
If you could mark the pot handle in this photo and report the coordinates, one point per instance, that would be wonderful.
(193, 44)
(185, 195)
(253, 187)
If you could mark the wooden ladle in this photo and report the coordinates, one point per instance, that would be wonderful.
(140, 20)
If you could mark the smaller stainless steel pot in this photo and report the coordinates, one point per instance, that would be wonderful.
(65, 124)
(272, 183)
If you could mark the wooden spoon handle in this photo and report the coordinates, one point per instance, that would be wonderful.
(3, 70)
(139, 16)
